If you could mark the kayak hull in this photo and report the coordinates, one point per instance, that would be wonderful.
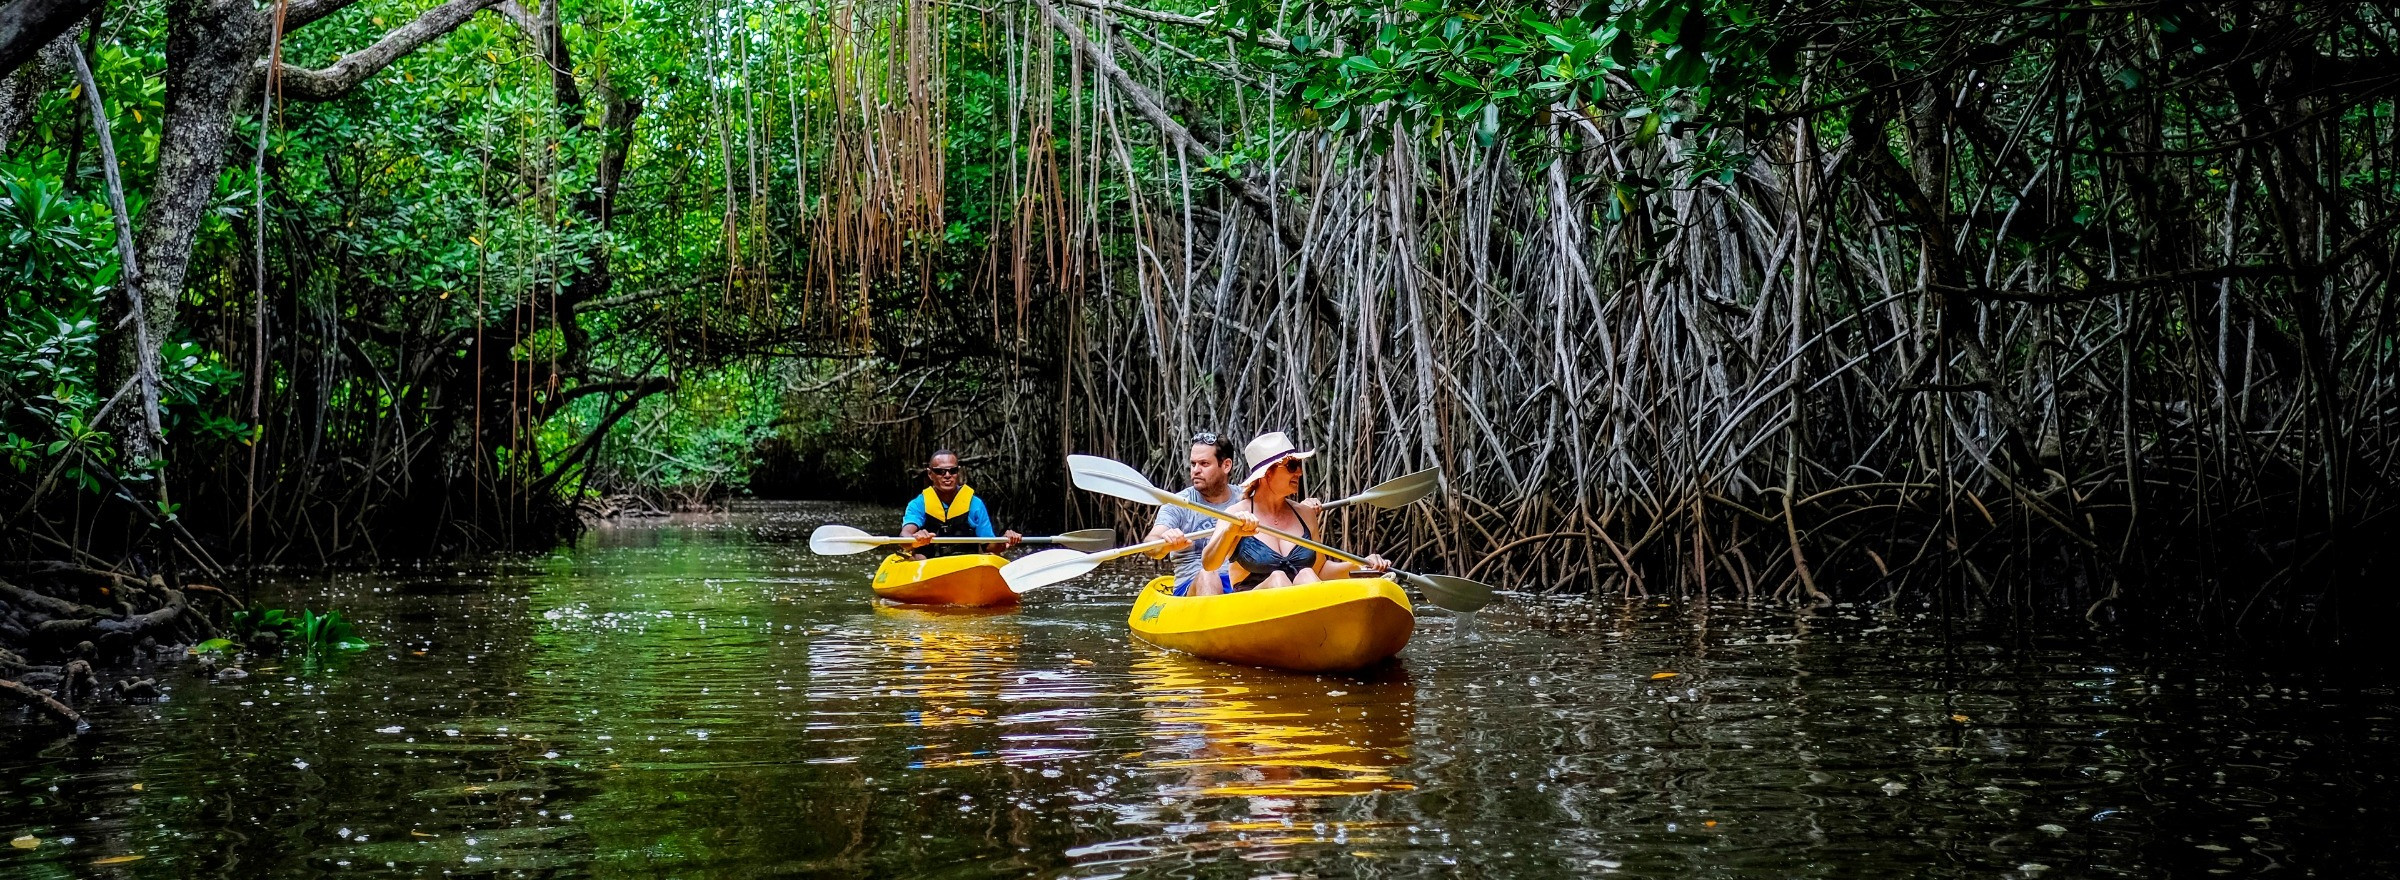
(1328, 626)
(972, 581)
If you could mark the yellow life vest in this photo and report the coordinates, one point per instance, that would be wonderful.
(955, 511)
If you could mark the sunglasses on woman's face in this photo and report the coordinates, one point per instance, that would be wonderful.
(1293, 465)
(943, 471)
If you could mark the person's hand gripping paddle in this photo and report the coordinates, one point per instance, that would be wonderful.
(1049, 567)
(840, 540)
(1116, 479)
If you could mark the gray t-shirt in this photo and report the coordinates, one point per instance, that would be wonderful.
(1187, 561)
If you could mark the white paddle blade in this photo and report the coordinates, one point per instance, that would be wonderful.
(1403, 491)
(1087, 540)
(1112, 478)
(1037, 570)
(841, 540)
(1452, 593)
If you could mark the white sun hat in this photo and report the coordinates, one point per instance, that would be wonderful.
(1265, 450)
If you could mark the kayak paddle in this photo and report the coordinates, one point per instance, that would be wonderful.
(1035, 570)
(1395, 493)
(1050, 567)
(1116, 479)
(841, 540)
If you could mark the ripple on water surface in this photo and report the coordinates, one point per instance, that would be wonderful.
(705, 698)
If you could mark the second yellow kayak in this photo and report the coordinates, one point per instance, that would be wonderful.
(1326, 626)
(948, 580)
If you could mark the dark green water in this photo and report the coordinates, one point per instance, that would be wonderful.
(704, 698)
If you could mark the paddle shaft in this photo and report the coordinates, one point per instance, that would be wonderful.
(1422, 582)
(1147, 546)
(1204, 510)
(1047, 539)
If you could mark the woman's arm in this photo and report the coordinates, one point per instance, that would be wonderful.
(1329, 568)
(1228, 536)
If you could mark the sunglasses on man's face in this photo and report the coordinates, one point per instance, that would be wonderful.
(943, 471)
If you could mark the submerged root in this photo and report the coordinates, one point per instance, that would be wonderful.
(83, 616)
(40, 702)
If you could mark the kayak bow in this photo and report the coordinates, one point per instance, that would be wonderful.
(1326, 626)
(947, 580)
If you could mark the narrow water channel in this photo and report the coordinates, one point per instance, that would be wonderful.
(704, 698)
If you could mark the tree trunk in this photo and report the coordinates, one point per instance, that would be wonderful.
(28, 27)
(19, 90)
(213, 44)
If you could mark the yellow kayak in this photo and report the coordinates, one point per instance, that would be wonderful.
(1320, 627)
(948, 580)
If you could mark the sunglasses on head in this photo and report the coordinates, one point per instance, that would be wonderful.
(1205, 438)
(942, 471)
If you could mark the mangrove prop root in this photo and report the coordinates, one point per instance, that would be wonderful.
(48, 625)
(41, 702)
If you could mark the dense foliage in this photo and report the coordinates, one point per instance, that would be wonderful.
(2033, 304)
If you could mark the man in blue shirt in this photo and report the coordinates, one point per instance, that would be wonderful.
(949, 509)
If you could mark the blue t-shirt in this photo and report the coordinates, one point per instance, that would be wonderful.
(977, 516)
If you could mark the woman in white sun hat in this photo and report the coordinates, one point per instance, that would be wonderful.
(1244, 559)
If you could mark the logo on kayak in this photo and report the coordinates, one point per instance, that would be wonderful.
(1151, 613)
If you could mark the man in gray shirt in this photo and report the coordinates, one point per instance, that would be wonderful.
(1211, 471)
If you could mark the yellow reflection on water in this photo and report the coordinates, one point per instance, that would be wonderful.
(1230, 731)
(954, 663)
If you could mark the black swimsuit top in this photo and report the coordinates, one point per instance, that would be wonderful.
(1259, 561)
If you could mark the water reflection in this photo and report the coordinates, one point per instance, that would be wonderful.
(706, 699)
(1272, 737)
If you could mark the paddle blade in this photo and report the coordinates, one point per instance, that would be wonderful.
(841, 540)
(1037, 570)
(1112, 478)
(1087, 540)
(1400, 492)
(1452, 593)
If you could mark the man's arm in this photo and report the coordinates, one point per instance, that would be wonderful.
(1161, 529)
(911, 524)
(980, 517)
